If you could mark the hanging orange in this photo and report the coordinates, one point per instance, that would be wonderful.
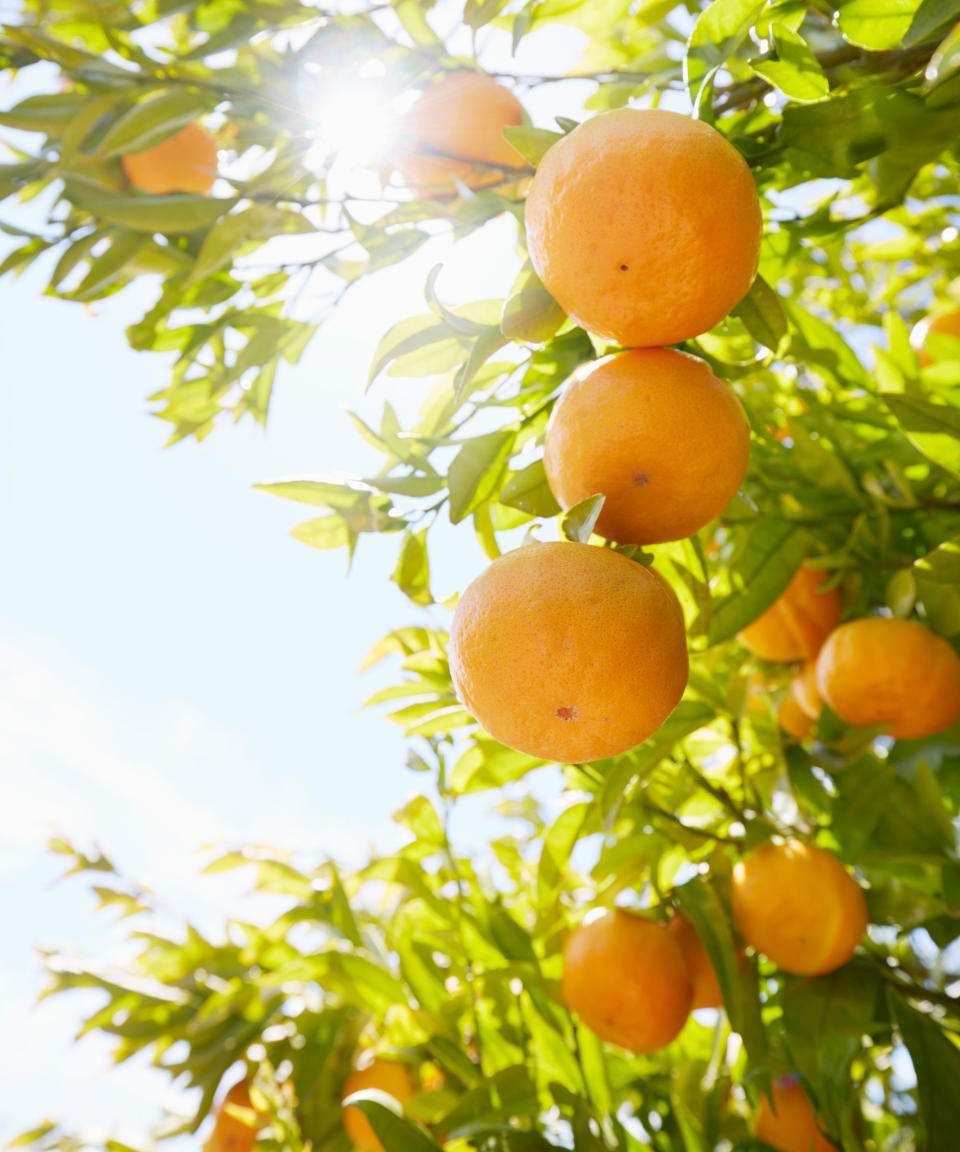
(799, 906)
(790, 1124)
(388, 1076)
(645, 226)
(796, 624)
(626, 979)
(895, 673)
(455, 130)
(184, 162)
(657, 434)
(569, 652)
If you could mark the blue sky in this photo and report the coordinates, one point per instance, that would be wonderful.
(175, 670)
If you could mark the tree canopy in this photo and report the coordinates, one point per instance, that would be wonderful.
(848, 115)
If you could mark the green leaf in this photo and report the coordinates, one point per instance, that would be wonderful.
(167, 214)
(531, 315)
(109, 266)
(48, 113)
(942, 565)
(814, 339)
(931, 17)
(251, 226)
(412, 573)
(552, 1053)
(153, 118)
(876, 24)
(325, 532)
(532, 143)
(796, 71)
(763, 316)
(720, 30)
(686, 718)
(771, 554)
(320, 493)
(701, 904)
(578, 524)
(387, 1120)
(509, 1091)
(931, 425)
(529, 492)
(407, 336)
(936, 1062)
(477, 471)
(901, 592)
(481, 350)
(941, 81)
(420, 817)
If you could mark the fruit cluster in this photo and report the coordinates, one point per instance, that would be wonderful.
(645, 226)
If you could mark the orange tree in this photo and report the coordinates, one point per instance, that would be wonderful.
(540, 994)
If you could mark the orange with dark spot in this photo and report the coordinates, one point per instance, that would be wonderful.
(799, 906)
(184, 162)
(796, 624)
(645, 226)
(569, 652)
(626, 979)
(388, 1076)
(895, 673)
(455, 131)
(657, 434)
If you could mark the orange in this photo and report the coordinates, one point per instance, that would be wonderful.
(184, 162)
(385, 1075)
(796, 624)
(703, 977)
(793, 720)
(799, 906)
(625, 978)
(658, 434)
(802, 705)
(896, 673)
(569, 652)
(940, 324)
(456, 123)
(803, 688)
(232, 1133)
(644, 225)
(789, 1124)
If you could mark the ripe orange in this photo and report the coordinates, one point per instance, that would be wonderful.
(569, 652)
(803, 688)
(456, 123)
(385, 1075)
(625, 978)
(799, 906)
(940, 324)
(231, 1133)
(897, 673)
(793, 720)
(706, 987)
(645, 226)
(790, 1123)
(796, 624)
(802, 705)
(184, 162)
(658, 434)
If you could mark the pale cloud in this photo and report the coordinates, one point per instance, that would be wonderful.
(152, 781)
(77, 758)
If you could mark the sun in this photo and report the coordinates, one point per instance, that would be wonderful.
(353, 120)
